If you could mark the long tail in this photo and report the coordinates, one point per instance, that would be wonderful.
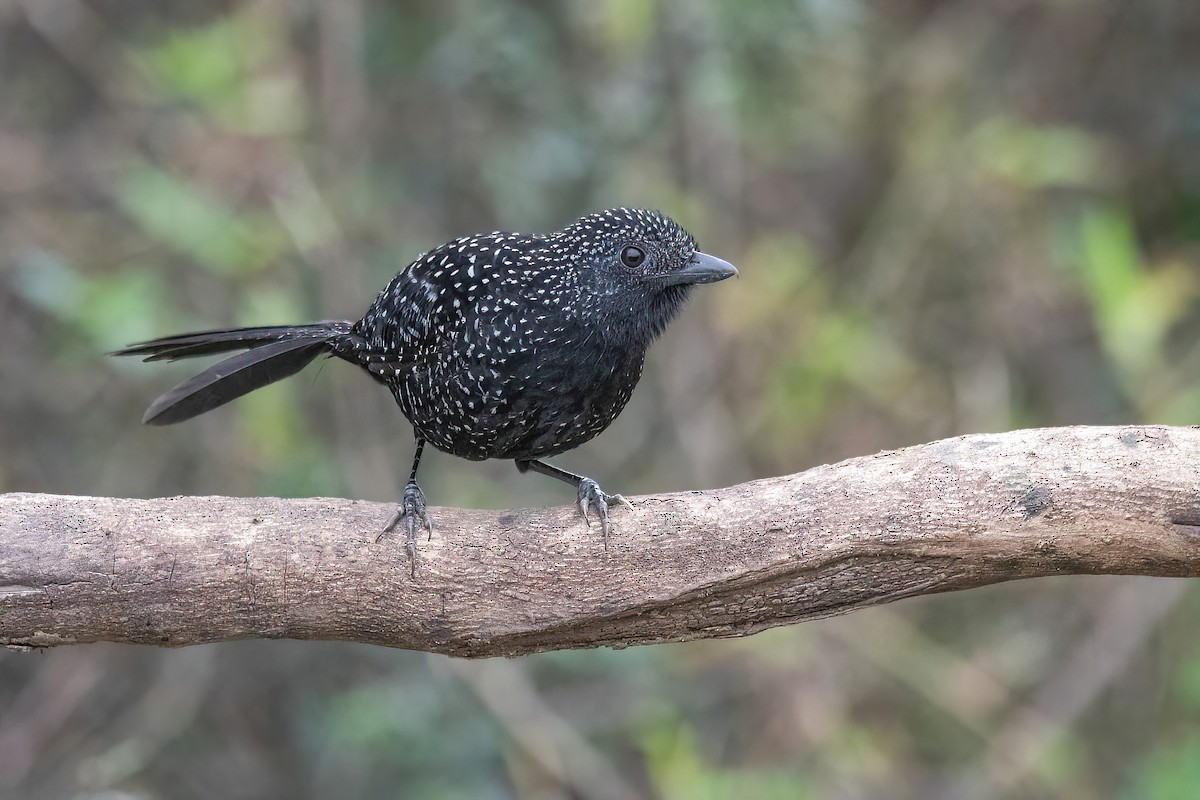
(272, 353)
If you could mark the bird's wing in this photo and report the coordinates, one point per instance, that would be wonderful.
(423, 315)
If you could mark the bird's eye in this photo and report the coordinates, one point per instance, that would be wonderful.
(632, 256)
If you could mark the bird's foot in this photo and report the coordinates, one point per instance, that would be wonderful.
(591, 495)
(411, 511)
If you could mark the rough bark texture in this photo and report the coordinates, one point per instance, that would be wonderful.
(948, 515)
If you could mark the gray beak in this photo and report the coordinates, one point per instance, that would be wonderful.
(702, 268)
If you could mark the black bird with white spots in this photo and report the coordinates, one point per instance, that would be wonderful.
(495, 346)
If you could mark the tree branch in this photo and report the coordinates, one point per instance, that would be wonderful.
(948, 515)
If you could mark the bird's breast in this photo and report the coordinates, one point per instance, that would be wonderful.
(529, 393)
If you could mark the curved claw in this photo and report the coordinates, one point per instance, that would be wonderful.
(590, 494)
(412, 509)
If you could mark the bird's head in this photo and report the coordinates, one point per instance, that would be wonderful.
(639, 262)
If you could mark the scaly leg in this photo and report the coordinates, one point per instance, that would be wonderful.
(412, 510)
(590, 493)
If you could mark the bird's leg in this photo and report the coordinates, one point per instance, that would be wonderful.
(590, 493)
(412, 509)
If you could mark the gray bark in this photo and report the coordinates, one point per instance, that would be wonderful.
(949, 515)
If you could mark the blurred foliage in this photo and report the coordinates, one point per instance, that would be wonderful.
(950, 218)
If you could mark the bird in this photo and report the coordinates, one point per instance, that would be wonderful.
(494, 346)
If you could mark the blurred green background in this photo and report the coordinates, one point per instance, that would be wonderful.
(949, 217)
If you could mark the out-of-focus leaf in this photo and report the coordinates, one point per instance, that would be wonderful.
(183, 217)
(680, 771)
(225, 68)
(1134, 306)
(1037, 157)
(108, 310)
(626, 24)
(1172, 772)
(207, 62)
(1112, 265)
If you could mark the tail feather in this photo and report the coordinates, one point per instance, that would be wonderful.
(273, 353)
(231, 379)
(203, 343)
